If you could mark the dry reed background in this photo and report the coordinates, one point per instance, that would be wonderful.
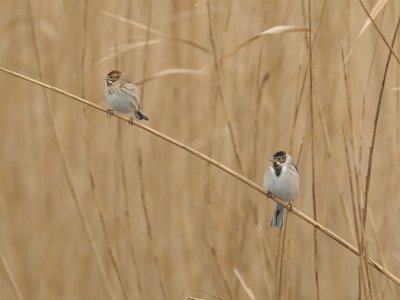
(203, 223)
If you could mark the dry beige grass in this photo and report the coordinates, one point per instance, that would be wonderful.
(191, 225)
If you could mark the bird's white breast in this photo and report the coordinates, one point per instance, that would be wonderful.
(285, 186)
(119, 100)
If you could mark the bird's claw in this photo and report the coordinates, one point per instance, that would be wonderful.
(130, 121)
(289, 206)
(110, 112)
(270, 195)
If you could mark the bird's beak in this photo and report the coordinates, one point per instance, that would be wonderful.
(104, 78)
(271, 159)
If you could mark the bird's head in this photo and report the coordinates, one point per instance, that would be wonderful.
(112, 77)
(281, 158)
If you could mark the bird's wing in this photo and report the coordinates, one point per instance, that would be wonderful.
(132, 91)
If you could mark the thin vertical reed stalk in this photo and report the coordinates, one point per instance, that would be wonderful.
(265, 253)
(150, 235)
(100, 211)
(299, 94)
(363, 237)
(129, 225)
(374, 283)
(372, 147)
(221, 95)
(306, 71)
(119, 151)
(116, 2)
(349, 105)
(353, 147)
(397, 209)
(365, 94)
(217, 66)
(313, 150)
(279, 259)
(244, 229)
(266, 262)
(357, 216)
(296, 113)
(380, 251)
(83, 49)
(99, 206)
(348, 23)
(359, 284)
(61, 149)
(288, 270)
(282, 240)
(279, 266)
(209, 209)
(334, 166)
(119, 147)
(210, 221)
(259, 88)
(371, 218)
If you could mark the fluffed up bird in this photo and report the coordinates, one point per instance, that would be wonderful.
(122, 95)
(282, 180)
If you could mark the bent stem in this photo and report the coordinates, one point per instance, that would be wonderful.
(222, 167)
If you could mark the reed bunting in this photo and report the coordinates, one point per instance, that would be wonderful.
(122, 95)
(282, 180)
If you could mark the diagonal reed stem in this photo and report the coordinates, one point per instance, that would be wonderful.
(248, 182)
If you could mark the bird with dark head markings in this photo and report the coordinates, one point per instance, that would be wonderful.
(282, 180)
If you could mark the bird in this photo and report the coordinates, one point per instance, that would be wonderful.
(281, 179)
(122, 95)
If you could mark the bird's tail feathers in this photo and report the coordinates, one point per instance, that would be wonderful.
(277, 217)
(139, 115)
